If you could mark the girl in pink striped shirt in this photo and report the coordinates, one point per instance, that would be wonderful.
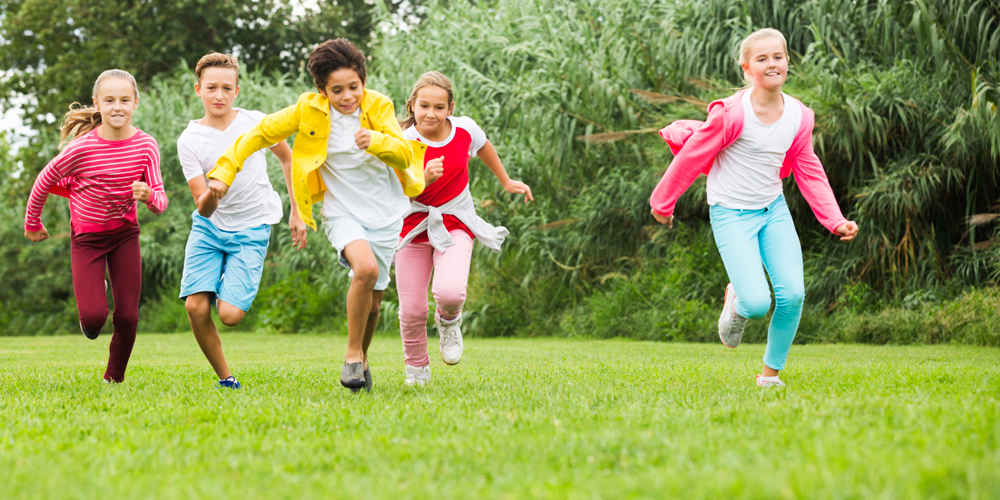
(107, 168)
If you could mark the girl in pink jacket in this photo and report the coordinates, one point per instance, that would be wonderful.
(747, 145)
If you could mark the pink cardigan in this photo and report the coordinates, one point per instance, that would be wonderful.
(696, 144)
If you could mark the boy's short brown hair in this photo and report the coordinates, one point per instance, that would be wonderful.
(217, 60)
(332, 55)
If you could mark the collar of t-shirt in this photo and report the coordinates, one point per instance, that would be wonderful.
(337, 115)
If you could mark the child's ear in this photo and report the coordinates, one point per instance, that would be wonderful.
(321, 91)
(451, 108)
(197, 89)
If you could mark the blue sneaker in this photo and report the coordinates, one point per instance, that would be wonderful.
(230, 383)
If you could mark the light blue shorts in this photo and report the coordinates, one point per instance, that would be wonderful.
(227, 263)
(343, 230)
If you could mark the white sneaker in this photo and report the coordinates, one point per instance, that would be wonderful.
(774, 381)
(417, 375)
(731, 324)
(450, 333)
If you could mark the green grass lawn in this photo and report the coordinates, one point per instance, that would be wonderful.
(516, 419)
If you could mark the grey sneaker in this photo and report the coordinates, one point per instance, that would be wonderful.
(731, 324)
(450, 333)
(352, 376)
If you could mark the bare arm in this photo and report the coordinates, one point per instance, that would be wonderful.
(489, 156)
(295, 224)
(205, 199)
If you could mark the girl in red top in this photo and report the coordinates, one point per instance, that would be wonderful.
(108, 167)
(439, 228)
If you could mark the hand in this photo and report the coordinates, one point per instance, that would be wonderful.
(433, 170)
(298, 229)
(518, 187)
(668, 220)
(218, 188)
(848, 230)
(363, 138)
(141, 191)
(40, 235)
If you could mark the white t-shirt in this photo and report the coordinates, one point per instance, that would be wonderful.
(251, 201)
(358, 184)
(747, 174)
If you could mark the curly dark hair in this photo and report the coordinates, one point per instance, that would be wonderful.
(332, 55)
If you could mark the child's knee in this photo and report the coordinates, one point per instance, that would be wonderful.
(366, 273)
(755, 306)
(198, 305)
(450, 301)
(229, 314)
(93, 321)
(790, 297)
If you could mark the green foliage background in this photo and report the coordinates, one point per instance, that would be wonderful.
(906, 101)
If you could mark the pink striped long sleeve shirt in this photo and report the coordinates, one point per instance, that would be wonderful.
(97, 175)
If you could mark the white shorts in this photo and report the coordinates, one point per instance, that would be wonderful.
(342, 230)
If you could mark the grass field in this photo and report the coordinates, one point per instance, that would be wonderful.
(516, 419)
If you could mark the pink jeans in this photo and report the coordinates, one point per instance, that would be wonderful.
(414, 264)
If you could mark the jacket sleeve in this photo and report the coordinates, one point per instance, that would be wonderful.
(272, 129)
(388, 144)
(696, 155)
(815, 187)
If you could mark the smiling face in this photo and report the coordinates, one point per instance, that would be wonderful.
(218, 90)
(344, 89)
(116, 99)
(431, 109)
(767, 64)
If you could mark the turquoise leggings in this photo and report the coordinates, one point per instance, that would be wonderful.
(751, 241)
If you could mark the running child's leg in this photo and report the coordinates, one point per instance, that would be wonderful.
(125, 273)
(199, 312)
(89, 261)
(414, 264)
(364, 269)
(782, 255)
(736, 235)
(451, 275)
(372, 322)
(204, 259)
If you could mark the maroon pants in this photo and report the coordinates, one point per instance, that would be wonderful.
(118, 252)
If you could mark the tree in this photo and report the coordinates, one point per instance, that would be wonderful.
(55, 49)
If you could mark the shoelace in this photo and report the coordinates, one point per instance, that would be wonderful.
(448, 336)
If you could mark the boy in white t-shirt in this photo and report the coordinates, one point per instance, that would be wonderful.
(225, 252)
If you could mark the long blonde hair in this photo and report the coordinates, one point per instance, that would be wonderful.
(427, 79)
(81, 119)
(747, 44)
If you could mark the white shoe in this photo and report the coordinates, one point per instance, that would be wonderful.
(774, 381)
(731, 324)
(417, 375)
(450, 333)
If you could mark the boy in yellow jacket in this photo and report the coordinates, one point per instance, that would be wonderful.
(349, 153)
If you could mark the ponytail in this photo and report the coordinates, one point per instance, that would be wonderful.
(426, 80)
(80, 120)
